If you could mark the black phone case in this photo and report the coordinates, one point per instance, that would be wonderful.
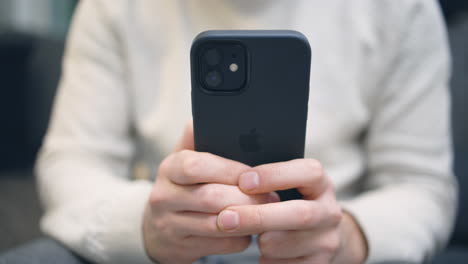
(266, 121)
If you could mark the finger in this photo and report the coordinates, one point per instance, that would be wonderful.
(198, 224)
(285, 244)
(296, 244)
(212, 198)
(264, 260)
(289, 215)
(302, 260)
(205, 246)
(207, 198)
(306, 175)
(189, 167)
(186, 142)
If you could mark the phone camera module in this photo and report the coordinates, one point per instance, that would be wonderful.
(222, 66)
(213, 79)
(212, 57)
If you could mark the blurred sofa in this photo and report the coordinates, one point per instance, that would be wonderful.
(29, 74)
(458, 34)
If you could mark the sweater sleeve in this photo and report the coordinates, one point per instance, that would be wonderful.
(83, 169)
(408, 208)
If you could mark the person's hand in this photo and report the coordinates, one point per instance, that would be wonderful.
(191, 188)
(313, 230)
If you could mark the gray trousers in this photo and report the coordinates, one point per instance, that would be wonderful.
(48, 251)
(44, 250)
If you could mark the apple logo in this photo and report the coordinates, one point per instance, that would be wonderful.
(250, 142)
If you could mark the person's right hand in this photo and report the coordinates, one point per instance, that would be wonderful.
(191, 188)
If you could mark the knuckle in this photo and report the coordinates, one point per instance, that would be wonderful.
(268, 251)
(162, 226)
(210, 197)
(267, 245)
(165, 165)
(276, 171)
(258, 218)
(305, 215)
(331, 243)
(241, 244)
(157, 197)
(210, 226)
(335, 214)
(262, 242)
(235, 245)
(314, 165)
(190, 165)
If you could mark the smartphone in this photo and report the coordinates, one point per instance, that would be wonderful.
(250, 93)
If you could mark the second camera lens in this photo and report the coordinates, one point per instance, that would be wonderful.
(213, 79)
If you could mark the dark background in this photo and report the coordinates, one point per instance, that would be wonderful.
(29, 72)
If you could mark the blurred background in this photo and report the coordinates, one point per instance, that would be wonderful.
(32, 35)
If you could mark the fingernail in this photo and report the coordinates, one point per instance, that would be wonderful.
(249, 181)
(228, 220)
(273, 198)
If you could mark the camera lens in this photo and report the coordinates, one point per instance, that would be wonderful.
(213, 79)
(212, 57)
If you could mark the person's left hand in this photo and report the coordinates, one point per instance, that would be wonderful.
(312, 230)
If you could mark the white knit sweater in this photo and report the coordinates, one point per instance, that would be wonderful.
(378, 116)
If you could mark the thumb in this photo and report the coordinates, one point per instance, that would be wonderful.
(186, 142)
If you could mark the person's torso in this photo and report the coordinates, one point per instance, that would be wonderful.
(156, 40)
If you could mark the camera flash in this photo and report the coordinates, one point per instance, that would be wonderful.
(233, 67)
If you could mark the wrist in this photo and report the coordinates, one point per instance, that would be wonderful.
(354, 247)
